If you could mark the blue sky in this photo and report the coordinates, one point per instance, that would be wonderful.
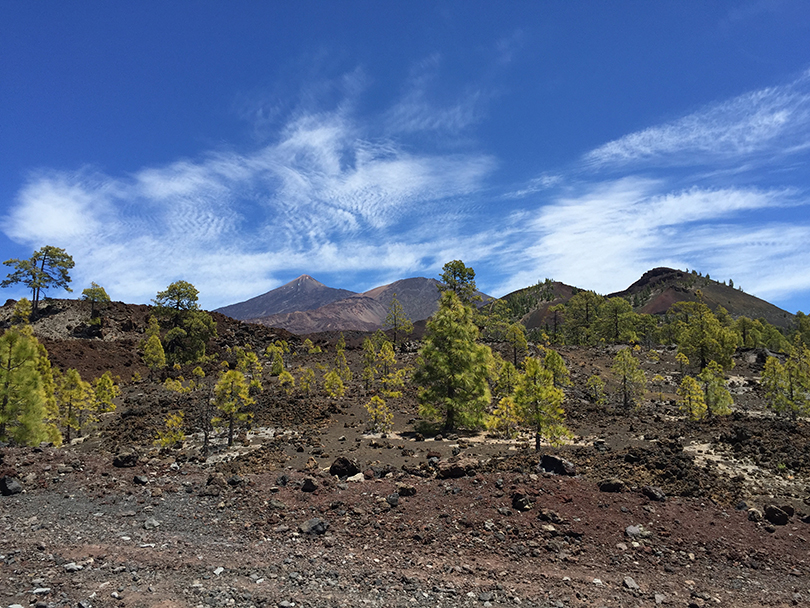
(238, 145)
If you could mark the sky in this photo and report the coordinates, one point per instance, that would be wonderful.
(238, 145)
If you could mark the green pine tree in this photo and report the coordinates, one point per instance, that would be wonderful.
(453, 368)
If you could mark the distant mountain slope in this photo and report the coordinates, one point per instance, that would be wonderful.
(654, 293)
(658, 289)
(362, 312)
(301, 294)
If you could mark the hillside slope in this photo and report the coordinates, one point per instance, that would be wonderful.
(361, 312)
(303, 293)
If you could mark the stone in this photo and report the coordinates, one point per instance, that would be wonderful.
(356, 478)
(151, 523)
(343, 467)
(557, 465)
(660, 598)
(629, 583)
(776, 516)
(654, 493)
(73, 567)
(316, 525)
(9, 486)
(405, 489)
(459, 468)
(309, 485)
(637, 531)
(140, 480)
(754, 514)
(126, 459)
(611, 485)
(392, 499)
(521, 502)
(236, 480)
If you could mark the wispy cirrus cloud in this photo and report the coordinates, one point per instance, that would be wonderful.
(325, 195)
(606, 234)
(774, 120)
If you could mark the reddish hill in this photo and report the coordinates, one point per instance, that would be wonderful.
(658, 289)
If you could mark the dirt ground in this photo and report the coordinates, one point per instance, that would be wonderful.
(659, 511)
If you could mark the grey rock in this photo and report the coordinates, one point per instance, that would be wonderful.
(141, 480)
(392, 499)
(637, 531)
(73, 567)
(151, 523)
(629, 583)
(344, 467)
(316, 525)
(521, 502)
(660, 598)
(9, 486)
(611, 485)
(309, 485)
(754, 514)
(654, 493)
(557, 465)
(125, 459)
(776, 516)
(404, 489)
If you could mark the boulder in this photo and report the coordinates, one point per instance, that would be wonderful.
(611, 485)
(9, 486)
(460, 468)
(521, 502)
(343, 467)
(557, 465)
(125, 459)
(776, 516)
(309, 485)
(316, 525)
(654, 493)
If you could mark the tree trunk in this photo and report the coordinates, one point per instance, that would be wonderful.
(230, 430)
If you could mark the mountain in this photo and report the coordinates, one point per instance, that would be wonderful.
(361, 312)
(301, 294)
(658, 289)
(654, 293)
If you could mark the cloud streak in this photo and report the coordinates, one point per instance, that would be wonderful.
(345, 196)
(762, 122)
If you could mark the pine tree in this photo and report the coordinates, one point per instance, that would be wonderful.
(581, 313)
(692, 401)
(539, 404)
(397, 320)
(369, 364)
(516, 337)
(453, 368)
(504, 419)
(704, 339)
(333, 385)
(24, 403)
(306, 380)
(172, 433)
(459, 279)
(153, 355)
(47, 267)
(553, 362)
(97, 296)
(616, 321)
(231, 397)
(287, 382)
(77, 403)
(382, 419)
(189, 327)
(629, 377)
(105, 390)
(716, 395)
(386, 357)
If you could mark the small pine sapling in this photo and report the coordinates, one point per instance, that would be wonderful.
(287, 382)
(691, 395)
(172, 433)
(382, 419)
(333, 385)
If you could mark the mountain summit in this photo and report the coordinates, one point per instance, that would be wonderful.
(301, 294)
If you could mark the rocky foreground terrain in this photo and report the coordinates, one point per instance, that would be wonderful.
(643, 508)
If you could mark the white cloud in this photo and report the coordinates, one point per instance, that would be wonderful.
(323, 197)
(763, 122)
(605, 237)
